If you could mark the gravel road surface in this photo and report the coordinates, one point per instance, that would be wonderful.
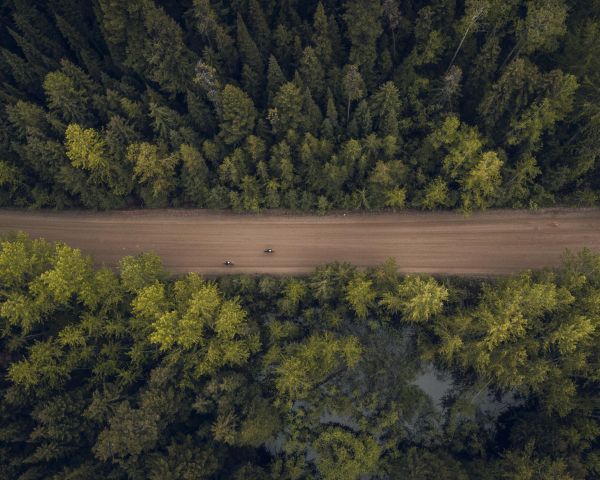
(487, 243)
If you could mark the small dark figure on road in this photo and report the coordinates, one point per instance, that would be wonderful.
(228, 263)
(268, 250)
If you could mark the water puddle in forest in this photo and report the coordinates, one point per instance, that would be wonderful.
(437, 385)
(391, 368)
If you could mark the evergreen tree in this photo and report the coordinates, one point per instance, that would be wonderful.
(153, 168)
(68, 97)
(253, 67)
(321, 38)
(275, 78)
(194, 176)
(386, 106)
(259, 25)
(86, 149)
(523, 74)
(354, 87)
(362, 19)
(105, 372)
(312, 74)
(238, 116)
(168, 61)
(286, 113)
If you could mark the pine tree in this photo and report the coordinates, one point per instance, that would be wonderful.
(417, 299)
(194, 176)
(311, 113)
(342, 454)
(362, 120)
(154, 168)
(386, 106)
(208, 25)
(362, 18)
(81, 44)
(168, 60)
(543, 25)
(332, 113)
(260, 28)
(312, 74)
(359, 294)
(391, 15)
(482, 183)
(154, 71)
(70, 98)
(286, 113)
(354, 87)
(87, 149)
(238, 116)
(253, 67)
(321, 38)
(275, 78)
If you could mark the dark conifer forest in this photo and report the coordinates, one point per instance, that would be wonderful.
(136, 375)
(299, 104)
(302, 105)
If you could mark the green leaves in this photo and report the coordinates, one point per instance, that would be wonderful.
(468, 105)
(572, 333)
(362, 18)
(150, 301)
(238, 115)
(343, 455)
(168, 61)
(476, 172)
(87, 149)
(230, 320)
(436, 195)
(44, 365)
(109, 372)
(196, 317)
(153, 167)
(543, 114)
(71, 270)
(295, 290)
(395, 198)
(354, 86)
(21, 259)
(441, 87)
(360, 294)
(306, 365)
(528, 334)
(542, 27)
(386, 105)
(417, 299)
(140, 271)
(482, 183)
(287, 109)
(67, 97)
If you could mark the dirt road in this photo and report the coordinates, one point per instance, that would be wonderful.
(496, 242)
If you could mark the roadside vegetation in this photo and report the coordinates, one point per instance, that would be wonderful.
(136, 374)
(302, 105)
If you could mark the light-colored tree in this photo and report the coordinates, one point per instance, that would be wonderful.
(153, 167)
(417, 299)
(354, 87)
(306, 365)
(87, 150)
(360, 294)
(342, 455)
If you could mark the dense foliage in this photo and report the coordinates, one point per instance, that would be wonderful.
(250, 104)
(138, 375)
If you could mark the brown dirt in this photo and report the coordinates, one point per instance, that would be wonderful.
(489, 243)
